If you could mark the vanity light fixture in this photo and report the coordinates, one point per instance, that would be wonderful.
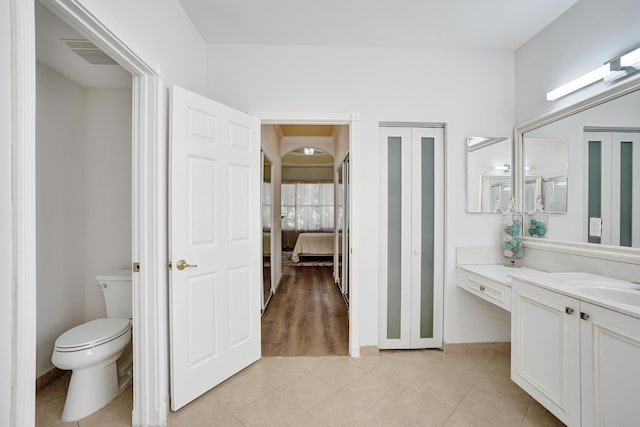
(615, 69)
(308, 151)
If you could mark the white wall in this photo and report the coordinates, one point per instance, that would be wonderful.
(83, 201)
(6, 257)
(107, 190)
(162, 32)
(472, 91)
(60, 209)
(583, 38)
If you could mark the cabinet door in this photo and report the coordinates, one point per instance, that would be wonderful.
(610, 360)
(545, 349)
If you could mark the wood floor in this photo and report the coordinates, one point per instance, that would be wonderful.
(307, 316)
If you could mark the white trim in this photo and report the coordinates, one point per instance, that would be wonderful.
(590, 250)
(353, 120)
(149, 208)
(24, 213)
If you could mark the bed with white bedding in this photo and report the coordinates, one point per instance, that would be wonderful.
(313, 244)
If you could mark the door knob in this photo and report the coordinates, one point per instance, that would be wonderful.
(182, 264)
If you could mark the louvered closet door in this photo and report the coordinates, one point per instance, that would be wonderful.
(412, 237)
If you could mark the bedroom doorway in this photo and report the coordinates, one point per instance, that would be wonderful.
(307, 314)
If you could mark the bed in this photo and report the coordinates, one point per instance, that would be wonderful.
(313, 244)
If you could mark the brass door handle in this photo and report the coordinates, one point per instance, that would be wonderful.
(182, 264)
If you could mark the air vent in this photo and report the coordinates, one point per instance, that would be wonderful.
(89, 52)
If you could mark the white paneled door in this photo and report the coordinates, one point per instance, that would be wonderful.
(215, 276)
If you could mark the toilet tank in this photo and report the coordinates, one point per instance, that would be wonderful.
(117, 292)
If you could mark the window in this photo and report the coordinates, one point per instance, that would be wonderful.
(307, 206)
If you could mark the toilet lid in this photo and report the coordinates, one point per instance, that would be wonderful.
(92, 333)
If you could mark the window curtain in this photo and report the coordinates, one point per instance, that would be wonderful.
(307, 206)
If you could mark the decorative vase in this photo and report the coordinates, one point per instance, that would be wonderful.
(511, 239)
(538, 221)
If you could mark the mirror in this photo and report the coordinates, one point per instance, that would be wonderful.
(489, 181)
(546, 166)
(267, 225)
(594, 183)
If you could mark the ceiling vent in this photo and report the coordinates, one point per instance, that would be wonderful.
(89, 52)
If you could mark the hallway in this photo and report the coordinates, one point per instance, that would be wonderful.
(307, 316)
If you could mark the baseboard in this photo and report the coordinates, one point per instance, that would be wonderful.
(369, 350)
(48, 377)
(481, 347)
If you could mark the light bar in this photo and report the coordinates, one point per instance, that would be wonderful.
(630, 58)
(582, 81)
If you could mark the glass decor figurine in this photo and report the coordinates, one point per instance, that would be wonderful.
(511, 240)
(538, 221)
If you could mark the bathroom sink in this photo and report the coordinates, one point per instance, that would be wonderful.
(628, 296)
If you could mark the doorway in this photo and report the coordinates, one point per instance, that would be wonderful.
(148, 241)
(311, 156)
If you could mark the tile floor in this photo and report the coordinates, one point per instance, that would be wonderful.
(396, 388)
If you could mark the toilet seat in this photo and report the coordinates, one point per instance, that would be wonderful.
(92, 334)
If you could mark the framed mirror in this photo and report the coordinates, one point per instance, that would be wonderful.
(594, 183)
(489, 179)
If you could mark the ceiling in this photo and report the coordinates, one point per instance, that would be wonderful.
(53, 52)
(299, 158)
(476, 24)
(307, 130)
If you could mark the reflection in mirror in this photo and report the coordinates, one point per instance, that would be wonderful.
(603, 199)
(267, 223)
(546, 164)
(488, 173)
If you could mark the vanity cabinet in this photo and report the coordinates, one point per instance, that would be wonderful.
(610, 362)
(545, 348)
(579, 360)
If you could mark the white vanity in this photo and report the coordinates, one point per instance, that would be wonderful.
(575, 339)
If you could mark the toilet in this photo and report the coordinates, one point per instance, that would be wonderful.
(95, 351)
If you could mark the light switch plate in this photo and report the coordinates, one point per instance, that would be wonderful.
(595, 227)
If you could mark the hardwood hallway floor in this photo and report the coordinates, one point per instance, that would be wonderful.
(307, 316)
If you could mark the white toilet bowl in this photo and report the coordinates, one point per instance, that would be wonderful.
(90, 351)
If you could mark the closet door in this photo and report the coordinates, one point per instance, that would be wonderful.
(412, 239)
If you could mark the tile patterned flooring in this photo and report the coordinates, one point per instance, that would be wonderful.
(395, 388)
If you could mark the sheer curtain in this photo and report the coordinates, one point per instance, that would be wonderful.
(307, 206)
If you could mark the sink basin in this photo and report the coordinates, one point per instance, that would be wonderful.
(628, 296)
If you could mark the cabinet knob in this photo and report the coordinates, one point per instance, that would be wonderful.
(482, 288)
(568, 310)
(584, 316)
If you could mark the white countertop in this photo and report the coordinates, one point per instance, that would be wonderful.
(571, 284)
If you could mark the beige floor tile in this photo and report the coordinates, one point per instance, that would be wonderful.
(500, 364)
(418, 409)
(373, 389)
(275, 372)
(54, 391)
(307, 391)
(384, 419)
(237, 392)
(347, 412)
(404, 372)
(204, 411)
(339, 372)
(504, 411)
(499, 384)
(117, 413)
(307, 420)
(462, 419)
(465, 368)
(309, 363)
(268, 411)
(48, 413)
(538, 416)
(439, 385)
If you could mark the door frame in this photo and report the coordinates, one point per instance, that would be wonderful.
(353, 121)
(149, 238)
